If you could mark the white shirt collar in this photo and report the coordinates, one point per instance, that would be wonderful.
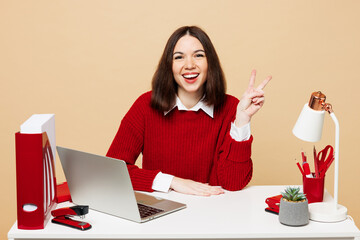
(209, 110)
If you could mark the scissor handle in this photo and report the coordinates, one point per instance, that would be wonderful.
(322, 154)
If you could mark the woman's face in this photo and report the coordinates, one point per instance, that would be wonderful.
(189, 66)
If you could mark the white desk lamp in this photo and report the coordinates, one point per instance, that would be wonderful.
(309, 128)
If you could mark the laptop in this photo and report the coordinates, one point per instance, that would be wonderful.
(104, 185)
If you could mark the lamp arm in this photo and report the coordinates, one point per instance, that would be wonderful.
(336, 169)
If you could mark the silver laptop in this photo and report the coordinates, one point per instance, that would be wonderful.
(104, 185)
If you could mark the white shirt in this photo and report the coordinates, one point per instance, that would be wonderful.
(163, 181)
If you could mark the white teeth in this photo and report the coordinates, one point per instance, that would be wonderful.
(190, 75)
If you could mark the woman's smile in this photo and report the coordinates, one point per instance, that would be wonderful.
(190, 77)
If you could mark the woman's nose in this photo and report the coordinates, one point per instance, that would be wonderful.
(189, 63)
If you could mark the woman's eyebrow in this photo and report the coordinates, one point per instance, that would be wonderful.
(196, 51)
(178, 53)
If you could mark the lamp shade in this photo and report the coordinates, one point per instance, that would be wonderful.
(309, 125)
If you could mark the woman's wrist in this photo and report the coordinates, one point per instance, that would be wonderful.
(241, 121)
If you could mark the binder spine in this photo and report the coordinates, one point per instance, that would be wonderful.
(35, 180)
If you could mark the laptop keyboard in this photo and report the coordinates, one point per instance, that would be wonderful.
(146, 211)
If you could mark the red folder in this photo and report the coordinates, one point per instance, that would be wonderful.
(63, 193)
(35, 180)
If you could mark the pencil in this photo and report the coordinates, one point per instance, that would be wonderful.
(303, 156)
(301, 170)
(316, 164)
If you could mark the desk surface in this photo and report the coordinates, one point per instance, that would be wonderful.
(231, 215)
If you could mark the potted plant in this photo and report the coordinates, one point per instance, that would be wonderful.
(294, 209)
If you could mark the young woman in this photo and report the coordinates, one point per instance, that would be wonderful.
(194, 138)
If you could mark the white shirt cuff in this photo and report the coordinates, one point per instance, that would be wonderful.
(240, 134)
(162, 182)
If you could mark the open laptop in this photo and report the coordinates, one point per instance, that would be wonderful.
(104, 184)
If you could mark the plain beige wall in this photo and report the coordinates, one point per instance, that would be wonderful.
(87, 61)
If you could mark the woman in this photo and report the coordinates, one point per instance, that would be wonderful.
(193, 137)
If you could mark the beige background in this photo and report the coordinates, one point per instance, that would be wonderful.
(87, 61)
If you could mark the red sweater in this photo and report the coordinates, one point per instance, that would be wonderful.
(186, 144)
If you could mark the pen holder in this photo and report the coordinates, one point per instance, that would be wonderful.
(314, 188)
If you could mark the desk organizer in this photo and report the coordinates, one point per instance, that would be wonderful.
(314, 188)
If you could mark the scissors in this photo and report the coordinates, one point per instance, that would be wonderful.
(324, 158)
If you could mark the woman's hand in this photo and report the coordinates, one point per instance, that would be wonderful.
(191, 187)
(251, 101)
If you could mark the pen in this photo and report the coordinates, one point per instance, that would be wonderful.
(307, 171)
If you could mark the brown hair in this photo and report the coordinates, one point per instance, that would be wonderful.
(164, 87)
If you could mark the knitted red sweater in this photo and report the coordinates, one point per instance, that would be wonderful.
(186, 144)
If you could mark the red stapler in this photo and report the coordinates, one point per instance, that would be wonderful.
(273, 204)
(62, 217)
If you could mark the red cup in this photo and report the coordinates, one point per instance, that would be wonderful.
(314, 188)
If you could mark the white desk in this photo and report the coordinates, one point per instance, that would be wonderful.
(233, 215)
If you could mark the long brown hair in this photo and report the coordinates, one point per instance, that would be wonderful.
(164, 87)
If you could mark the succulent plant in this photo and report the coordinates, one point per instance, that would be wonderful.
(293, 194)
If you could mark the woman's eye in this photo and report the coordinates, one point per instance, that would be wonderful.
(199, 55)
(178, 57)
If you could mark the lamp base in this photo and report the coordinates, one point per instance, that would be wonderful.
(326, 212)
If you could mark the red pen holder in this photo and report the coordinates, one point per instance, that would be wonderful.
(314, 188)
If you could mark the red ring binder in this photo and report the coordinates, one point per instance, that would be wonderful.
(35, 180)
